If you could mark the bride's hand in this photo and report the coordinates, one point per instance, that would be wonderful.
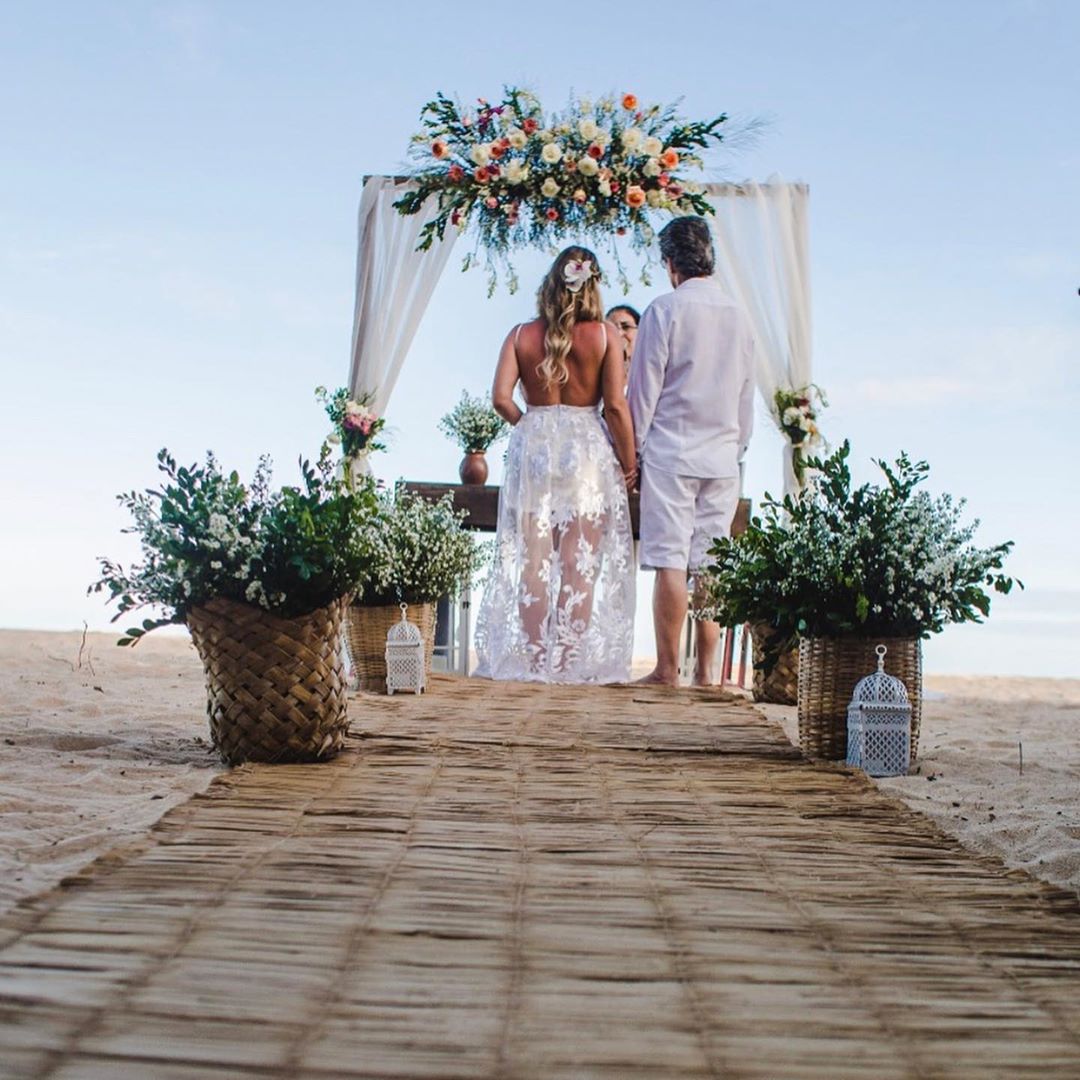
(630, 479)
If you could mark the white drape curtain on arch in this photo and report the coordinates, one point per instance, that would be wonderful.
(394, 284)
(762, 256)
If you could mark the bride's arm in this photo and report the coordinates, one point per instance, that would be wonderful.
(507, 374)
(616, 409)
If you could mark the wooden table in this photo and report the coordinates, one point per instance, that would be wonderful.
(481, 505)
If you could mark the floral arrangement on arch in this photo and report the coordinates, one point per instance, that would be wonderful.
(473, 424)
(356, 425)
(522, 177)
(797, 412)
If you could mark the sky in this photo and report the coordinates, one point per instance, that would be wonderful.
(178, 193)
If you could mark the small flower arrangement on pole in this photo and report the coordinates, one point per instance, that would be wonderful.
(356, 426)
(521, 176)
(796, 413)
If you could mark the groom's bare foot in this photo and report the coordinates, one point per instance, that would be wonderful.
(655, 678)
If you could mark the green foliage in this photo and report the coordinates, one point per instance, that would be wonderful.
(204, 534)
(420, 550)
(473, 424)
(875, 561)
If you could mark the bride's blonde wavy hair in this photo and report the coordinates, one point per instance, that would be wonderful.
(562, 309)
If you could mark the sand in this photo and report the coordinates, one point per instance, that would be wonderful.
(94, 748)
(97, 742)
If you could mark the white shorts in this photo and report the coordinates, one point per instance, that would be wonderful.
(681, 516)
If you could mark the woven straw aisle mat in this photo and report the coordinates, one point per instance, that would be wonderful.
(516, 881)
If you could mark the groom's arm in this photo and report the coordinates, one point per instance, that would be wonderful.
(647, 368)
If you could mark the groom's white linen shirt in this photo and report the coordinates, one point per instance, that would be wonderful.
(691, 382)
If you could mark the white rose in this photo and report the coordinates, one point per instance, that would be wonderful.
(587, 166)
(652, 146)
(791, 415)
(587, 129)
(545, 134)
(652, 197)
(480, 154)
(516, 172)
(551, 153)
(549, 189)
(631, 138)
(602, 138)
(517, 138)
(604, 187)
(652, 167)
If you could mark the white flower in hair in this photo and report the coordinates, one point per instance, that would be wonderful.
(576, 273)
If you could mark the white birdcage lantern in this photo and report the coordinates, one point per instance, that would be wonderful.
(405, 656)
(879, 724)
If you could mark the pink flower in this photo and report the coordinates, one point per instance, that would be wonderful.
(491, 202)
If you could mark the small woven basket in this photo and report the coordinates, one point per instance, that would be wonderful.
(829, 668)
(780, 686)
(276, 688)
(365, 639)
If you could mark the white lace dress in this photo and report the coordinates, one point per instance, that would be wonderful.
(559, 601)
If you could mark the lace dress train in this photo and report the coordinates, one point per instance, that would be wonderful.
(559, 601)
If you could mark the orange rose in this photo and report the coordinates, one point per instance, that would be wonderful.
(480, 175)
(439, 149)
(635, 196)
(629, 102)
(669, 159)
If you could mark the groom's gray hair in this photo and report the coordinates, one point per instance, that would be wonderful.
(687, 242)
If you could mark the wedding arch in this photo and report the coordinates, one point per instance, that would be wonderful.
(760, 232)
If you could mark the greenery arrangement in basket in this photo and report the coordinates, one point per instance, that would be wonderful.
(473, 424)
(883, 560)
(204, 534)
(420, 551)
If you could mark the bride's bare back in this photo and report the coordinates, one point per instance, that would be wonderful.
(595, 368)
(585, 365)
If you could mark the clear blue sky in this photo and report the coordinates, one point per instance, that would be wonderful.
(177, 226)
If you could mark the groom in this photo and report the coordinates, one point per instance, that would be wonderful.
(691, 398)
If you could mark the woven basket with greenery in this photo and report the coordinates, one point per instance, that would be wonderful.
(262, 579)
(878, 564)
(776, 683)
(420, 552)
(275, 687)
(366, 628)
(829, 669)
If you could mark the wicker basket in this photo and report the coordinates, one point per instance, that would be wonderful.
(829, 668)
(275, 687)
(365, 638)
(781, 685)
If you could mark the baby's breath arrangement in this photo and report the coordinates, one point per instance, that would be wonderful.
(205, 534)
(473, 424)
(879, 561)
(420, 550)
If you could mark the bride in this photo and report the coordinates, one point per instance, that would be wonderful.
(559, 602)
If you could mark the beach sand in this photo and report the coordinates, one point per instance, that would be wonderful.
(96, 745)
